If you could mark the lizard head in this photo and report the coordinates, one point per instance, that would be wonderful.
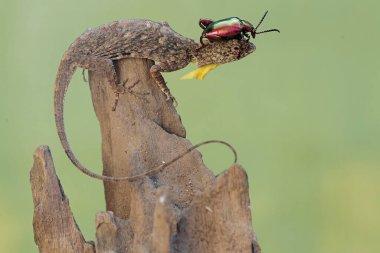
(223, 51)
(212, 55)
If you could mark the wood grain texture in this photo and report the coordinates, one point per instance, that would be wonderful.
(220, 217)
(55, 229)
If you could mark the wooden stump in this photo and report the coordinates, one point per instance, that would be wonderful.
(183, 208)
(55, 229)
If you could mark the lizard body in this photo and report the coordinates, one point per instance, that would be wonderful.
(97, 48)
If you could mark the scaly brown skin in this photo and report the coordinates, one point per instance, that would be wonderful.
(97, 48)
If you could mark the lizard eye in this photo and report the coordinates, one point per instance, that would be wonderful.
(236, 48)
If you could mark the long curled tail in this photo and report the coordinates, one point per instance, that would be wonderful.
(166, 164)
(64, 75)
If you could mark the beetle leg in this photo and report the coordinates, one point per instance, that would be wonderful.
(246, 36)
(201, 41)
(212, 37)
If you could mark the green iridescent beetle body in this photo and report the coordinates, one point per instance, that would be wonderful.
(229, 28)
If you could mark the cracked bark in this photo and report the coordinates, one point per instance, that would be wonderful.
(183, 208)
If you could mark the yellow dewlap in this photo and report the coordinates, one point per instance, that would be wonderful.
(200, 72)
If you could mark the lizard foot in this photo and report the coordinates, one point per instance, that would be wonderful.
(84, 75)
(122, 89)
(117, 95)
(140, 95)
(170, 97)
(118, 88)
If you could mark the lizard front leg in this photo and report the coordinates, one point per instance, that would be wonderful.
(155, 71)
(168, 66)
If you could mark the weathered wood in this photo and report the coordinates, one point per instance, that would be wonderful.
(182, 208)
(165, 222)
(219, 220)
(112, 233)
(54, 226)
(144, 131)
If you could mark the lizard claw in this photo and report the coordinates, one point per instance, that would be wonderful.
(170, 97)
(84, 75)
(123, 86)
(140, 95)
(119, 88)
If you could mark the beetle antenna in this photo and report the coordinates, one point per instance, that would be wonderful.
(262, 19)
(271, 30)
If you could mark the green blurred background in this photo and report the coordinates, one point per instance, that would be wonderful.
(302, 111)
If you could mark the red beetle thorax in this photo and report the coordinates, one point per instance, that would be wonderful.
(248, 28)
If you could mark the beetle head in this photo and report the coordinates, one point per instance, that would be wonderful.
(247, 27)
(223, 51)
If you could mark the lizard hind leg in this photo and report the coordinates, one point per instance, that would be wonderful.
(105, 65)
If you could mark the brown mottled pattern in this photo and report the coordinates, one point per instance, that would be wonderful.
(135, 38)
(223, 51)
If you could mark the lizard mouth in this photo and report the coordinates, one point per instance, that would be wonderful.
(251, 47)
(246, 49)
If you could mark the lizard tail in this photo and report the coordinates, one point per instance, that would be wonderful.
(65, 73)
